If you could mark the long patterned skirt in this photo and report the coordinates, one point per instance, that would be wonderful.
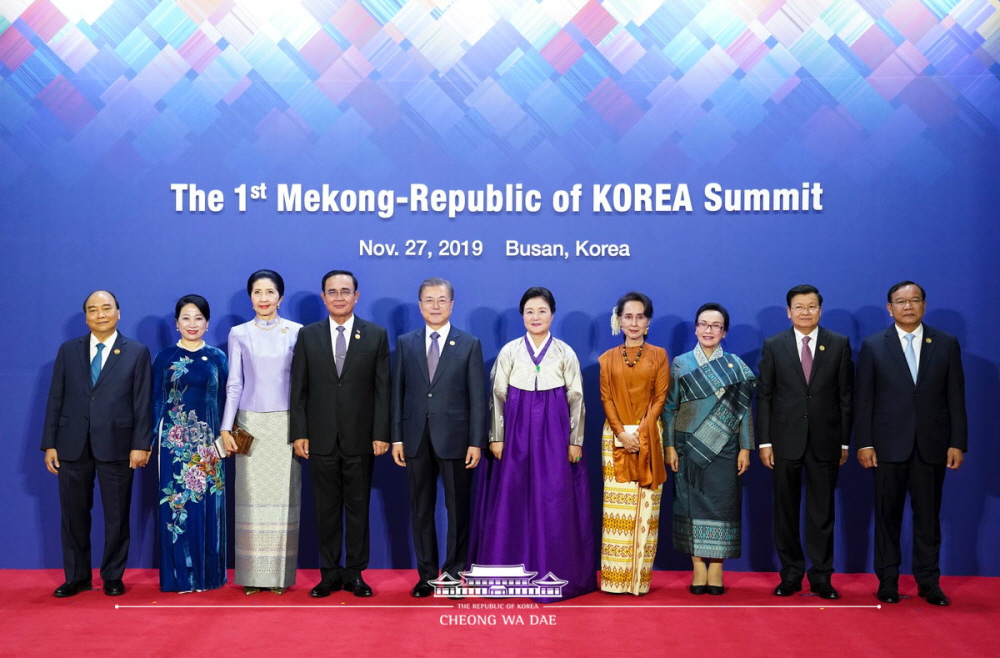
(707, 503)
(630, 528)
(268, 501)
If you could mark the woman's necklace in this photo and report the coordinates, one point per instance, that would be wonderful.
(637, 356)
(265, 327)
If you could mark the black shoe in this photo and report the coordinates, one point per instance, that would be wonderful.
(933, 595)
(325, 588)
(72, 588)
(825, 591)
(888, 592)
(114, 587)
(715, 590)
(786, 588)
(698, 590)
(422, 590)
(358, 586)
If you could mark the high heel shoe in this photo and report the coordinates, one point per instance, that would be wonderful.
(715, 590)
(250, 590)
(279, 590)
(698, 589)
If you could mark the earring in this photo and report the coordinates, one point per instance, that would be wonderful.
(646, 333)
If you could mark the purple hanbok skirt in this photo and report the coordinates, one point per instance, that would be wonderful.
(533, 506)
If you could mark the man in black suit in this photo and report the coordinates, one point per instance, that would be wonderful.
(438, 426)
(97, 422)
(340, 423)
(911, 425)
(804, 423)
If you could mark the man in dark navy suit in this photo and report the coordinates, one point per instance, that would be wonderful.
(340, 423)
(97, 422)
(804, 398)
(438, 427)
(910, 426)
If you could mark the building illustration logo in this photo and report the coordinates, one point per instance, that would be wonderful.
(500, 581)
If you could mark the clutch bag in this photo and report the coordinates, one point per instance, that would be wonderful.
(243, 438)
(631, 429)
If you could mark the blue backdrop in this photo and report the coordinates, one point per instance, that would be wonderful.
(886, 113)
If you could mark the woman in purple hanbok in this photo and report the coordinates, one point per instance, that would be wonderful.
(533, 503)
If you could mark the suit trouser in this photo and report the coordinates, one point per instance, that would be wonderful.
(925, 483)
(821, 483)
(76, 500)
(422, 471)
(342, 488)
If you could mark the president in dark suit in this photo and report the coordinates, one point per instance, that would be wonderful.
(804, 397)
(97, 422)
(910, 425)
(438, 427)
(340, 423)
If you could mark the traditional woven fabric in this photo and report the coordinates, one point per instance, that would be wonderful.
(268, 494)
(629, 529)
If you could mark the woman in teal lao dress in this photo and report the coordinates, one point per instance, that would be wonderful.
(708, 434)
(188, 395)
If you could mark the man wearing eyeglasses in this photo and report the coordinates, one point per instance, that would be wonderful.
(910, 425)
(438, 427)
(804, 398)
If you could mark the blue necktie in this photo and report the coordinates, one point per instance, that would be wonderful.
(95, 365)
(911, 357)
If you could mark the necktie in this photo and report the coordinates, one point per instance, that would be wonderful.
(341, 350)
(433, 355)
(807, 358)
(911, 356)
(95, 365)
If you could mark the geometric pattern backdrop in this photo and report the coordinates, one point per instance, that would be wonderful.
(554, 85)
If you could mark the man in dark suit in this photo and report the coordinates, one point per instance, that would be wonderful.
(804, 417)
(910, 426)
(340, 423)
(97, 422)
(438, 426)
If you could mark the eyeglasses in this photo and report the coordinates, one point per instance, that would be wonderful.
(343, 293)
(432, 302)
(714, 327)
(913, 301)
(812, 308)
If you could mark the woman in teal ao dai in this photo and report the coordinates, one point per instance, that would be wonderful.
(188, 395)
(708, 434)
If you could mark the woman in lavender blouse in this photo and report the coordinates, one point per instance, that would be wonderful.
(268, 490)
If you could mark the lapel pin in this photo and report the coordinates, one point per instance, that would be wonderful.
(452, 343)
(204, 358)
(357, 335)
(822, 348)
(927, 340)
(119, 351)
(284, 330)
(730, 365)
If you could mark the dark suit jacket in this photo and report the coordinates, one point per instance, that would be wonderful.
(453, 406)
(892, 412)
(789, 411)
(115, 413)
(350, 410)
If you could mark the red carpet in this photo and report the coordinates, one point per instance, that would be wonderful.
(747, 621)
